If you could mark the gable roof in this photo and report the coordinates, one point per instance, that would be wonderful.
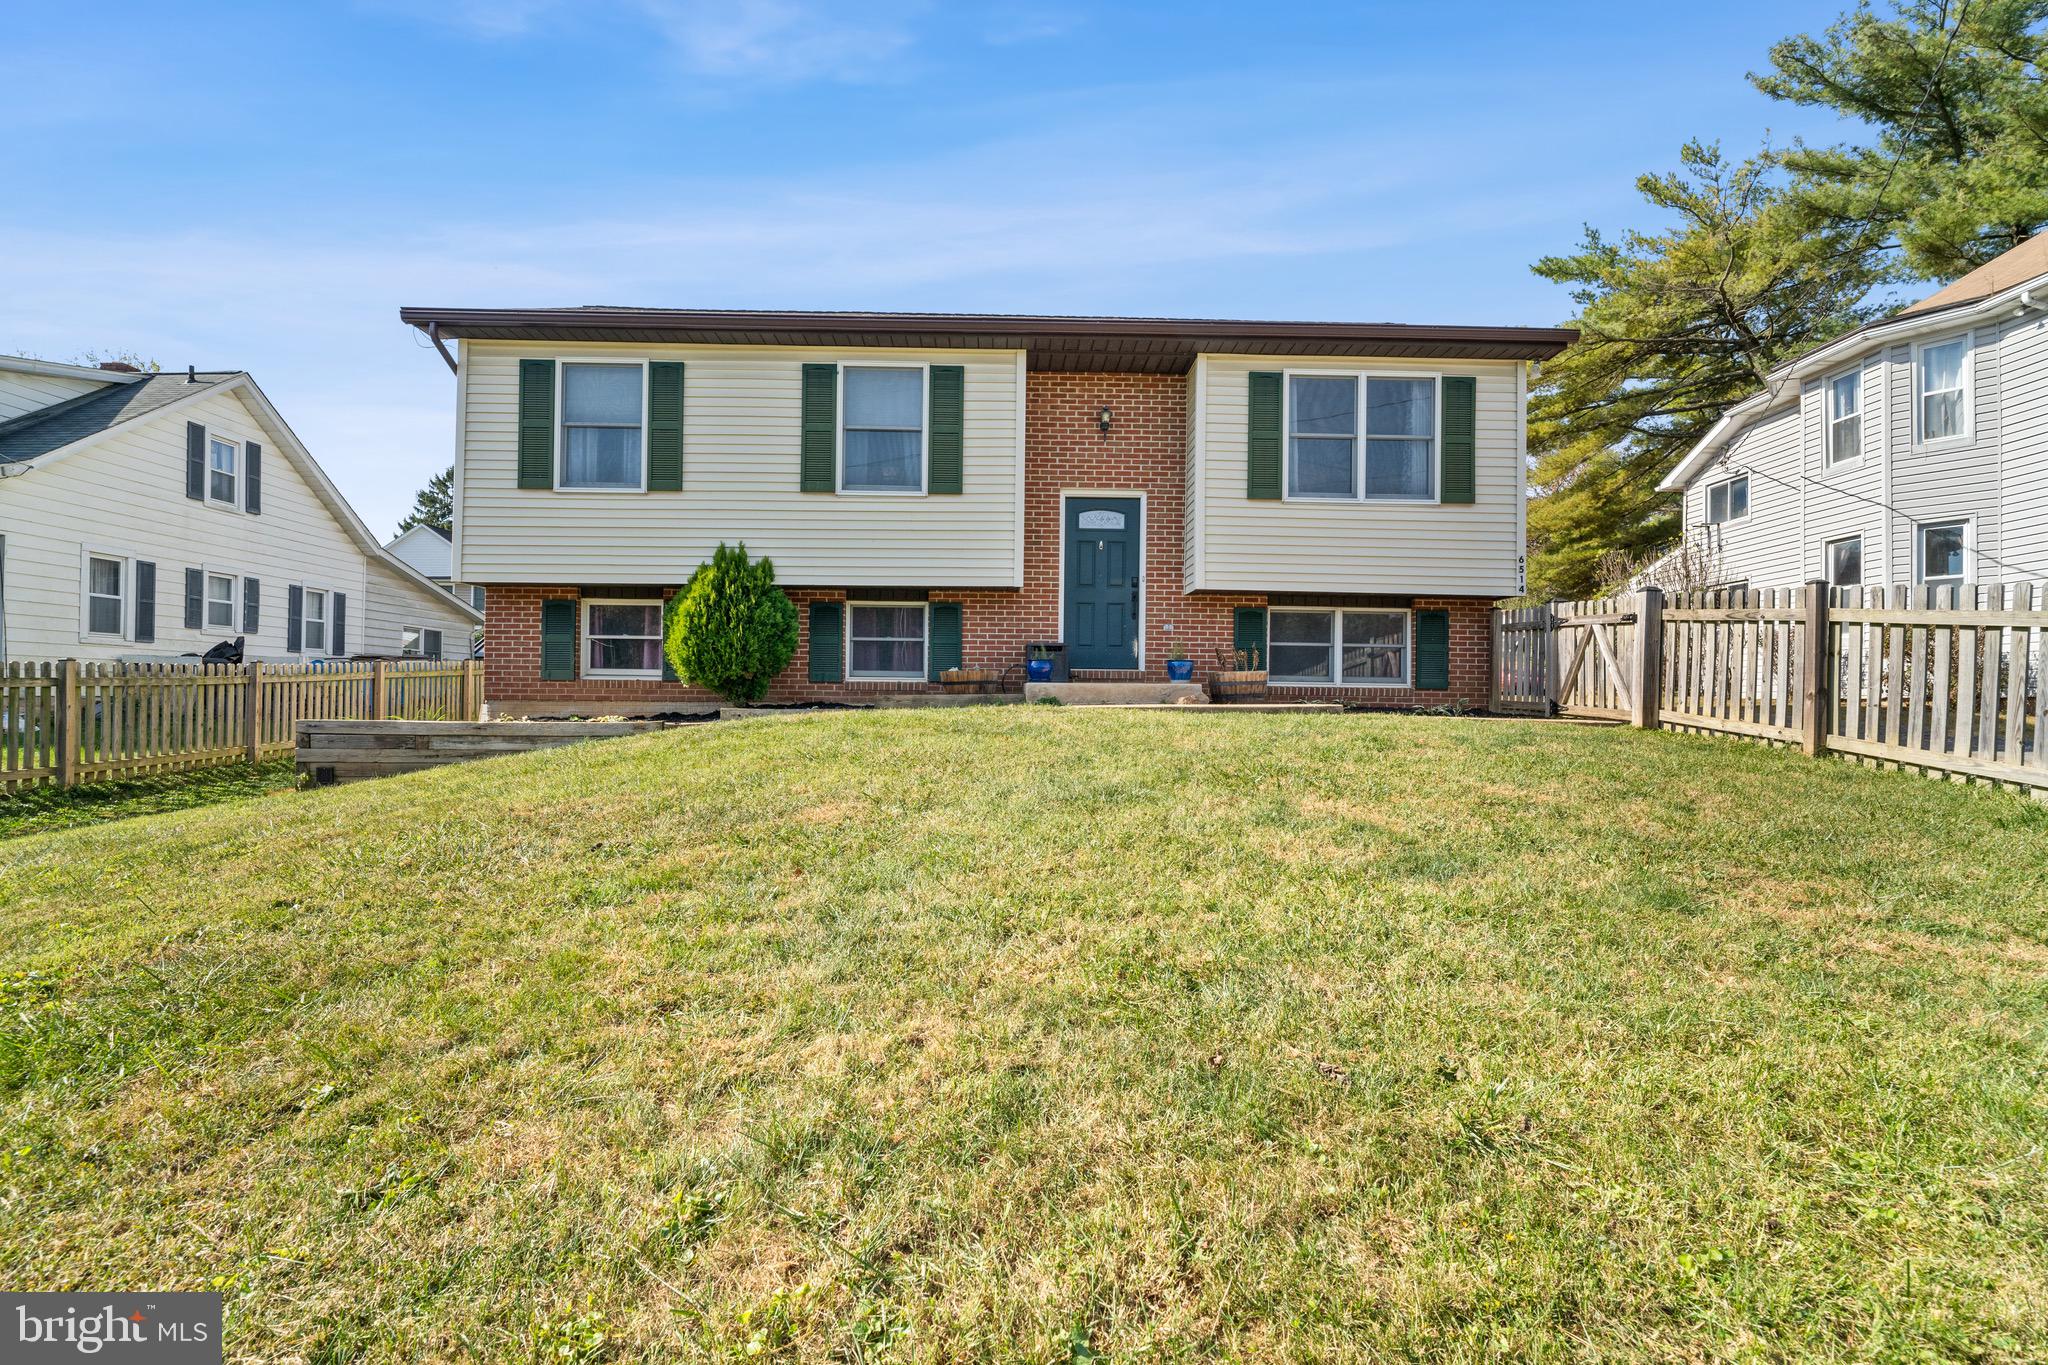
(1097, 344)
(77, 424)
(65, 423)
(2001, 286)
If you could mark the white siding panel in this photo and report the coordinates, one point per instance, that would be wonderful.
(2023, 432)
(1265, 546)
(1762, 548)
(20, 393)
(393, 602)
(1951, 481)
(126, 496)
(741, 415)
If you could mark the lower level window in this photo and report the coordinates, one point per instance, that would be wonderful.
(220, 601)
(622, 639)
(886, 641)
(103, 595)
(314, 622)
(1358, 648)
(1845, 562)
(410, 641)
(1942, 551)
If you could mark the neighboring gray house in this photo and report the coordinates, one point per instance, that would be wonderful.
(149, 516)
(1912, 450)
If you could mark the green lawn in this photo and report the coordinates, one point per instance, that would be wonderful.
(39, 809)
(1047, 1034)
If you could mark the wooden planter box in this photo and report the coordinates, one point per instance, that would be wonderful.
(971, 680)
(1237, 684)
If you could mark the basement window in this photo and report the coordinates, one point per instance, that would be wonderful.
(885, 640)
(622, 639)
(1339, 648)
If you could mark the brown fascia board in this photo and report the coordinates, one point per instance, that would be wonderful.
(1158, 345)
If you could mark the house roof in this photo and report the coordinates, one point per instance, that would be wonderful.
(1994, 288)
(2025, 262)
(37, 433)
(1121, 345)
(22, 364)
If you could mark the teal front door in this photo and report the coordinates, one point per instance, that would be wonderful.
(1101, 582)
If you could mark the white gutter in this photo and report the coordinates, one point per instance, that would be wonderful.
(1832, 356)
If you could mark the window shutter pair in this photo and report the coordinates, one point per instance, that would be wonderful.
(337, 629)
(558, 639)
(252, 617)
(1264, 437)
(145, 601)
(294, 618)
(943, 649)
(195, 599)
(195, 462)
(945, 429)
(536, 442)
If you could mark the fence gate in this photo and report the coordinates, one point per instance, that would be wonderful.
(1523, 660)
(1595, 648)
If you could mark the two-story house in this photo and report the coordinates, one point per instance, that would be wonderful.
(944, 489)
(153, 516)
(1913, 450)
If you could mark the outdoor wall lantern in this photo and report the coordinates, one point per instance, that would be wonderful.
(1102, 419)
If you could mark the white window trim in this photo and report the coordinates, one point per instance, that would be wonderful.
(562, 364)
(1827, 565)
(207, 573)
(1969, 432)
(1336, 615)
(1920, 529)
(1707, 503)
(1359, 438)
(306, 591)
(214, 438)
(924, 434)
(920, 676)
(1829, 417)
(86, 555)
(583, 668)
(1144, 544)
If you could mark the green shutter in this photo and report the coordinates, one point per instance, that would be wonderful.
(668, 611)
(558, 639)
(1461, 396)
(536, 424)
(944, 650)
(820, 430)
(827, 641)
(1432, 651)
(948, 423)
(665, 427)
(1248, 635)
(1262, 438)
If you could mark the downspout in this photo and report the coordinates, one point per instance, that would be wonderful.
(434, 335)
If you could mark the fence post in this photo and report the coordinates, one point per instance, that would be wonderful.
(1553, 695)
(380, 691)
(252, 711)
(470, 710)
(70, 723)
(1813, 665)
(1649, 662)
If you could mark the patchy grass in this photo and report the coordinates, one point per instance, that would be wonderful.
(1050, 1034)
(40, 809)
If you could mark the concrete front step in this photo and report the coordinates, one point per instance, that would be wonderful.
(1117, 693)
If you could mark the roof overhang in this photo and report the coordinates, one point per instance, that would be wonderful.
(23, 365)
(1785, 381)
(1117, 345)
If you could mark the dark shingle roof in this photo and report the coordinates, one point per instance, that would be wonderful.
(46, 429)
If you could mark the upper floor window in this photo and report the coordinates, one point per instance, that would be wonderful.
(1728, 500)
(1323, 437)
(882, 432)
(601, 420)
(1845, 561)
(1941, 377)
(220, 601)
(1942, 550)
(221, 461)
(105, 594)
(1845, 417)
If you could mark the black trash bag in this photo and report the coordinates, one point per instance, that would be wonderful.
(226, 652)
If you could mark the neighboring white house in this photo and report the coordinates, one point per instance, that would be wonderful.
(430, 551)
(149, 516)
(1912, 450)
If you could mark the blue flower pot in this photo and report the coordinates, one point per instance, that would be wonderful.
(1180, 670)
(1038, 670)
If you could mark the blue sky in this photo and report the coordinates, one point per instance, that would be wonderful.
(261, 186)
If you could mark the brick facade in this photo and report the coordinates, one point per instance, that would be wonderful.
(1143, 453)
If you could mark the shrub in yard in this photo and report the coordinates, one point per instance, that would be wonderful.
(731, 630)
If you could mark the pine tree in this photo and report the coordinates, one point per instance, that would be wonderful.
(433, 505)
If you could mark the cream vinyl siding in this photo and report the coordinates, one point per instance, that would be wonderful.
(126, 496)
(1392, 547)
(1191, 505)
(741, 414)
(393, 602)
(20, 393)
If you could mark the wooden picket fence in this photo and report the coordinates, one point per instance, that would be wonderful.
(65, 722)
(1945, 680)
